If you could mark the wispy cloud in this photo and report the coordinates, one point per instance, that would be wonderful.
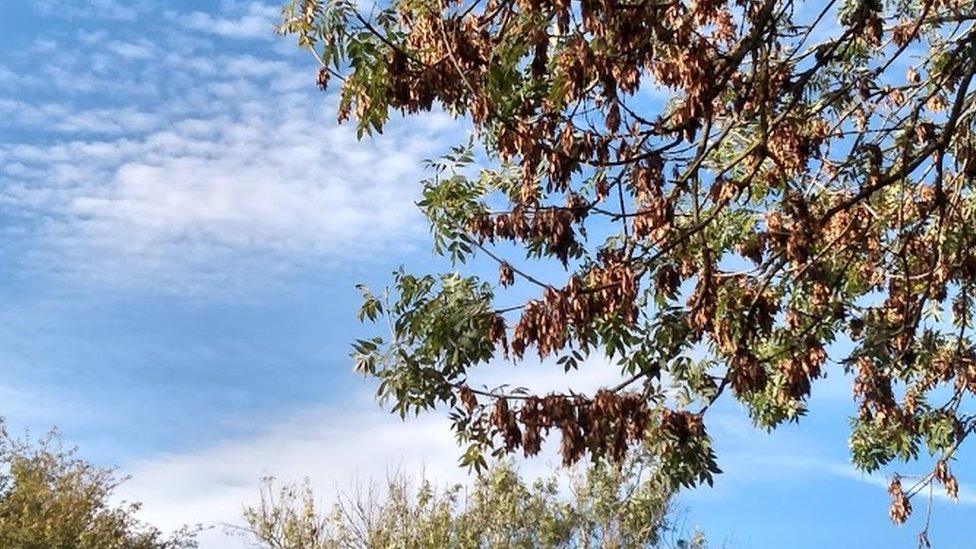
(96, 9)
(750, 456)
(54, 117)
(337, 447)
(219, 164)
(136, 50)
(334, 447)
(212, 191)
(257, 22)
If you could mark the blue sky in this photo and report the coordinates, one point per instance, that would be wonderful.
(181, 227)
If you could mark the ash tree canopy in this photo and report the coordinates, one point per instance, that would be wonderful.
(740, 193)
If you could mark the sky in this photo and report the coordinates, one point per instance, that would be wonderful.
(182, 225)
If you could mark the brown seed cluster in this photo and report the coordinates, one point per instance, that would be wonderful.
(947, 479)
(655, 215)
(606, 424)
(792, 144)
(874, 391)
(799, 370)
(901, 507)
(553, 226)
(548, 324)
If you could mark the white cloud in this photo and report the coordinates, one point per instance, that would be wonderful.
(277, 181)
(139, 50)
(337, 448)
(206, 168)
(11, 79)
(67, 120)
(257, 21)
(95, 9)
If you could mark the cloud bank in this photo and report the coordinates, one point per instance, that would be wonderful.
(185, 161)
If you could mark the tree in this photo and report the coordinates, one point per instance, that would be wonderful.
(606, 506)
(801, 196)
(51, 499)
